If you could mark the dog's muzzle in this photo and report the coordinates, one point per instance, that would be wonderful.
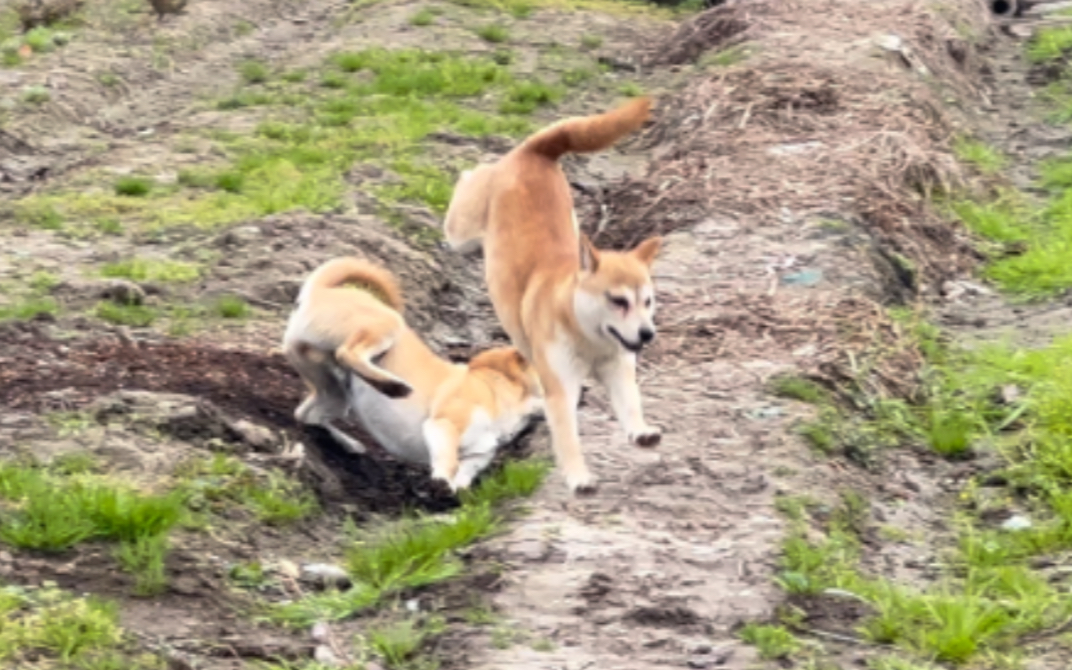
(646, 336)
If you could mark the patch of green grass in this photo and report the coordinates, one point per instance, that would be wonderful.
(222, 481)
(526, 96)
(799, 388)
(425, 17)
(496, 33)
(418, 550)
(133, 187)
(254, 72)
(45, 627)
(631, 89)
(1049, 43)
(577, 76)
(29, 308)
(55, 509)
(397, 643)
(140, 269)
(36, 95)
(294, 76)
(591, 41)
(138, 316)
(978, 154)
(772, 642)
(231, 307)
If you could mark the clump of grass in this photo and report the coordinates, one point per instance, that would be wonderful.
(397, 643)
(417, 551)
(496, 33)
(1050, 43)
(141, 269)
(231, 307)
(425, 17)
(798, 388)
(56, 509)
(254, 72)
(294, 76)
(133, 187)
(51, 626)
(725, 57)
(36, 95)
(982, 156)
(223, 480)
(591, 41)
(138, 316)
(526, 97)
(576, 76)
(773, 642)
(29, 308)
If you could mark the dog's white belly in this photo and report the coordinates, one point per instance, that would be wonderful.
(395, 424)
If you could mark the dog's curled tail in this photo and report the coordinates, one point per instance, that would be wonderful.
(587, 134)
(357, 273)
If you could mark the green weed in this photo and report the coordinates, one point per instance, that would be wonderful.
(525, 97)
(983, 157)
(416, 551)
(773, 642)
(254, 72)
(29, 308)
(1049, 43)
(36, 95)
(138, 316)
(133, 187)
(798, 388)
(231, 307)
(424, 17)
(140, 270)
(495, 33)
(398, 642)
(591, 41)
(726, 57)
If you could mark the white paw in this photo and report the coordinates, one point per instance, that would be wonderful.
(649, 436)
(581, 482)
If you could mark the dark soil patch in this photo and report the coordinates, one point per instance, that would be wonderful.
(716, 28)
(260, 387)
(831, 614)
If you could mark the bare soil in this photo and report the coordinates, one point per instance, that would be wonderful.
(789, 186)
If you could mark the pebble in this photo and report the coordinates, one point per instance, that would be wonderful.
(1016, 522)
(325, 656)
(324, 575)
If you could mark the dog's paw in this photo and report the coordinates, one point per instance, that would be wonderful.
(581, 483)
(394, 389)
(648, 437)
(441, 487)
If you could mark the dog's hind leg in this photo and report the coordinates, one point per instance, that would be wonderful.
(326, 398)
(361, 349)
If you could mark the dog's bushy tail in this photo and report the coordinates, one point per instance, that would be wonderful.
(356, 273)
(587, 134)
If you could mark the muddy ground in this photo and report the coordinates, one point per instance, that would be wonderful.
(786, 163)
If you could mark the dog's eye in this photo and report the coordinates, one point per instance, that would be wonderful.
(647, 302)
(619, 302)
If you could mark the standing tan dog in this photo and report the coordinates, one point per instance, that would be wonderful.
(569, 308)
(349, 342)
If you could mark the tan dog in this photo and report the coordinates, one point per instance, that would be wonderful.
(569, 308)
(349, 342)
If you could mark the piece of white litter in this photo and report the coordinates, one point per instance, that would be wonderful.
(1016, 522)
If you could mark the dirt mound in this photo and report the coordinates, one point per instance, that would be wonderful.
(259, 387)
(785, 138)
(717, 28)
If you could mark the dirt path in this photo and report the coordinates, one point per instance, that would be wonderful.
(792, 146)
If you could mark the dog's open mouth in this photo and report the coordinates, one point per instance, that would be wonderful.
(631, 346)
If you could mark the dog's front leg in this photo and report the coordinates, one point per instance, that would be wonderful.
(618, 376)
(441, 438)
(562, 391)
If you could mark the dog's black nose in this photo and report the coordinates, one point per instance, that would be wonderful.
(646, 335)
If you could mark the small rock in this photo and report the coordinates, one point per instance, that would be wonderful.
(123, 292)
(1010, 393)
(372, 665)
(177, 661)
(722, 655)
(288, 569)
(1016, 522)
(325, 656)
(700, 662)
(258, 437)
(320, 631)
(323, 575)
(702, 649)
(413, 605)
(241, 235)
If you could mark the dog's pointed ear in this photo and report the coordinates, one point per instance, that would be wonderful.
(589, 255)
(646, 251)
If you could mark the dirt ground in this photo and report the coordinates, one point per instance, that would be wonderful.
(786, 178)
